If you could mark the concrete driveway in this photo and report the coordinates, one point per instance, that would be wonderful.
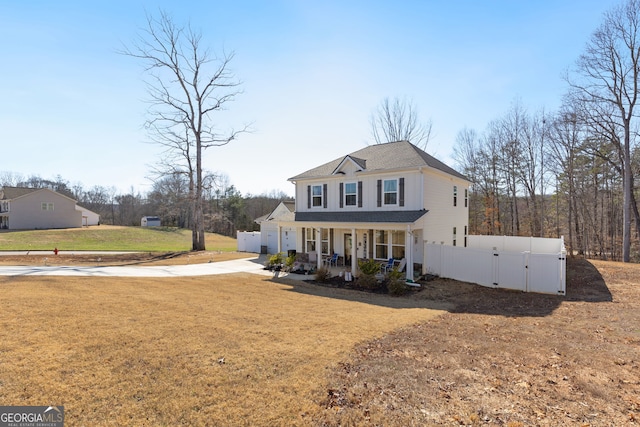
(247, 265)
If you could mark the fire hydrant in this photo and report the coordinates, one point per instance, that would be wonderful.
(55, 251)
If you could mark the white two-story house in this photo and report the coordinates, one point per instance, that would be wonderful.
(383, 201)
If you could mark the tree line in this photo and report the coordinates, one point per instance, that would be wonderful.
(225, 209)
(546, 175)
(571, 172)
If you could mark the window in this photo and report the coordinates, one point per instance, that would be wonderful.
(455, 195)
(310, 239)
(397, 244)
(381, 244)
(466, 199)
(316, 196)
(465, 236)
(324, 241)
(454, 236)
(390, 192)
(47, 206)
(389, 244)
(350, 194)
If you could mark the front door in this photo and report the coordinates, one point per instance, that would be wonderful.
(348, 246)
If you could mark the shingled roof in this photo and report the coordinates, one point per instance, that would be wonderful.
(381, 157)
(9, 193)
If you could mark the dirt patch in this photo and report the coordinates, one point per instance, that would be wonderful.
(504, 358)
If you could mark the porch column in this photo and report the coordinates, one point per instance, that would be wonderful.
(279, 238)
(319, 247)
(408, 253)
(354, 252)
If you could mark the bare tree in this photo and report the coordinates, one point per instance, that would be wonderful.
(397, 120)
(607, 75)
(187, 85)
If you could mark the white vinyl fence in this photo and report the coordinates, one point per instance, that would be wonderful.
(248, 241)
(528, 264)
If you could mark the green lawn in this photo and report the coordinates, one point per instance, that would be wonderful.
(110, 238)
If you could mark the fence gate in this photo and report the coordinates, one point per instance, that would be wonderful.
(248, 241)
(502, 268)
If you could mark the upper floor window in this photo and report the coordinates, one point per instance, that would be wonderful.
(455, 195)
(350, 194)
(466, 198)
(390, 195)
(47, 206)
(316, 196)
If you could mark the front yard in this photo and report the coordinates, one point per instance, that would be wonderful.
(245, 350)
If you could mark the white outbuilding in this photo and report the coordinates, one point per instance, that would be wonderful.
(150, 221)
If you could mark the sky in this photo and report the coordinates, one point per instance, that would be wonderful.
(312, 73)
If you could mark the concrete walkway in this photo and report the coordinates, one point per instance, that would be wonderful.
(247, 265)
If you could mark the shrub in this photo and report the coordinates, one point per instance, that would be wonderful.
(369, 266)
(323, 274)
(291, 259)
(397, 287)
(275, 261)
(368, 270)
(397, 284)
(368, 281)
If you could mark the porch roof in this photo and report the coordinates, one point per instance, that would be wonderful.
(405, 217)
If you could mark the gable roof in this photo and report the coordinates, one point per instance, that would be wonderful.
(279, 214)
(12, 193)
(8, 193)
(381, 157)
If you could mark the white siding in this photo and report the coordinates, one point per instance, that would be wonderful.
(412, 192)
(443, 216)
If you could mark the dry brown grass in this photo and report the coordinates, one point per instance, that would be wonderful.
(148, 352)
(504, 358)
(217, 350)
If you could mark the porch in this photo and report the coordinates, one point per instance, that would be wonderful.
(379, 242)
(306, 264)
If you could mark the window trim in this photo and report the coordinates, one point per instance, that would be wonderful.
(319, 197)
(385, 192)
(354, 194)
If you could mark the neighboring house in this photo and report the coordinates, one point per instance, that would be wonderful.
(270, 229)
(383, 201)
(40, 208)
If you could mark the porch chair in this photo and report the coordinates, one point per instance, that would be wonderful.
(332, 260)
(386, 267)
